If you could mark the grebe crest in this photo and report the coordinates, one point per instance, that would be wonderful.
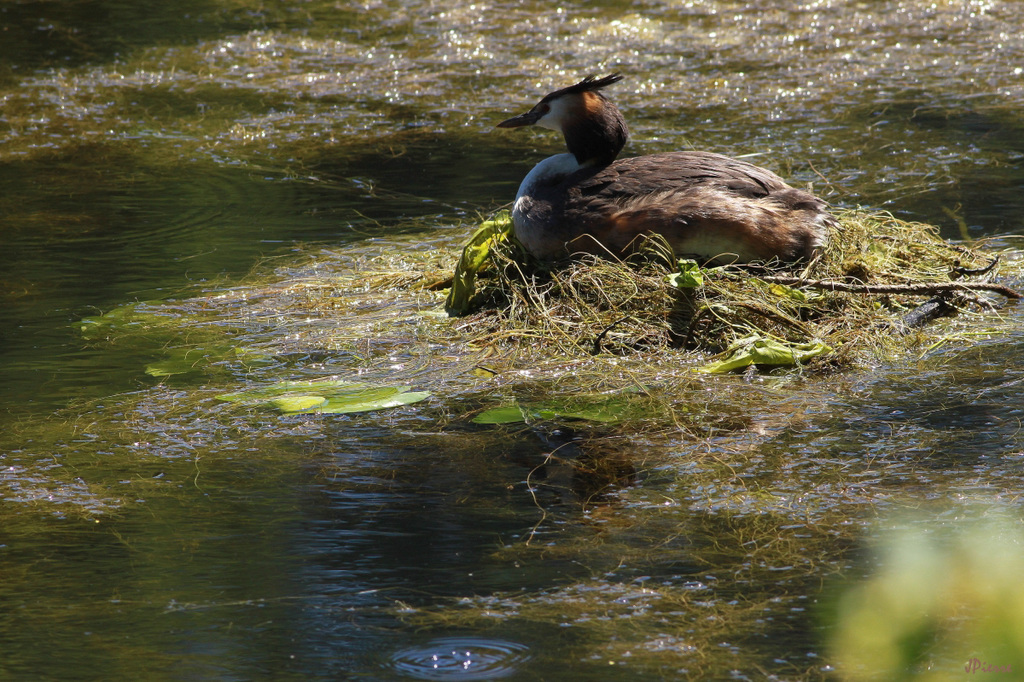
(594, 129)
(704, 204)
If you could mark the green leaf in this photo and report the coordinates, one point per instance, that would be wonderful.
(783, 291)
(690, 276)
(327, 396)
(179, 361)
(506, 414)
(462, 296)
(608, 411)
(296, 403)
(755, 350)
(339, 405)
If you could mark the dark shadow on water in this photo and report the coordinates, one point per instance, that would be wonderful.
(60, 33)
(90, 227)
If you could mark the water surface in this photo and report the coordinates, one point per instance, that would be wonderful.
(190, 150)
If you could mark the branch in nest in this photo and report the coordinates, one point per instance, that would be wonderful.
(960, 271)
(929, 289)
(932, 309)
(596, 350)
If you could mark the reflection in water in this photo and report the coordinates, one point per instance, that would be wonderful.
(573, 466)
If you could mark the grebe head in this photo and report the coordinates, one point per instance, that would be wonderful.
(593, 127)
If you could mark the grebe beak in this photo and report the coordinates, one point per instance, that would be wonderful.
(527, 119)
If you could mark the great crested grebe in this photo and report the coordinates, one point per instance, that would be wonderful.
(704, 204)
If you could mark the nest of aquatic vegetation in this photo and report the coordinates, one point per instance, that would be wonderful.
(863, 294)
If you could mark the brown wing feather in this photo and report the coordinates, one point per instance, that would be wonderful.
(703, 203)
(640, 175)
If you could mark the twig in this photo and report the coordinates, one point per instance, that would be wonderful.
(929, 289)
(600, 337)
(777, 316)
(826, 180)
(959, 271)
(932, 309)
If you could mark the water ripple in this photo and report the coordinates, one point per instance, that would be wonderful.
(462, 658)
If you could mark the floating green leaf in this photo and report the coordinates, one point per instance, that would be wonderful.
(297, 403)
(327, 396)
(461, 298)
(395, 396)
(755, 350)
(506, 414)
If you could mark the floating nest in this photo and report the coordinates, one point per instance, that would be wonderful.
(879, 279)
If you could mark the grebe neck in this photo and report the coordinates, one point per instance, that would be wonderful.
(597, 133)
(548, 172)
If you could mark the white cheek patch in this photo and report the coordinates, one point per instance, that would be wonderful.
(557, 116)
